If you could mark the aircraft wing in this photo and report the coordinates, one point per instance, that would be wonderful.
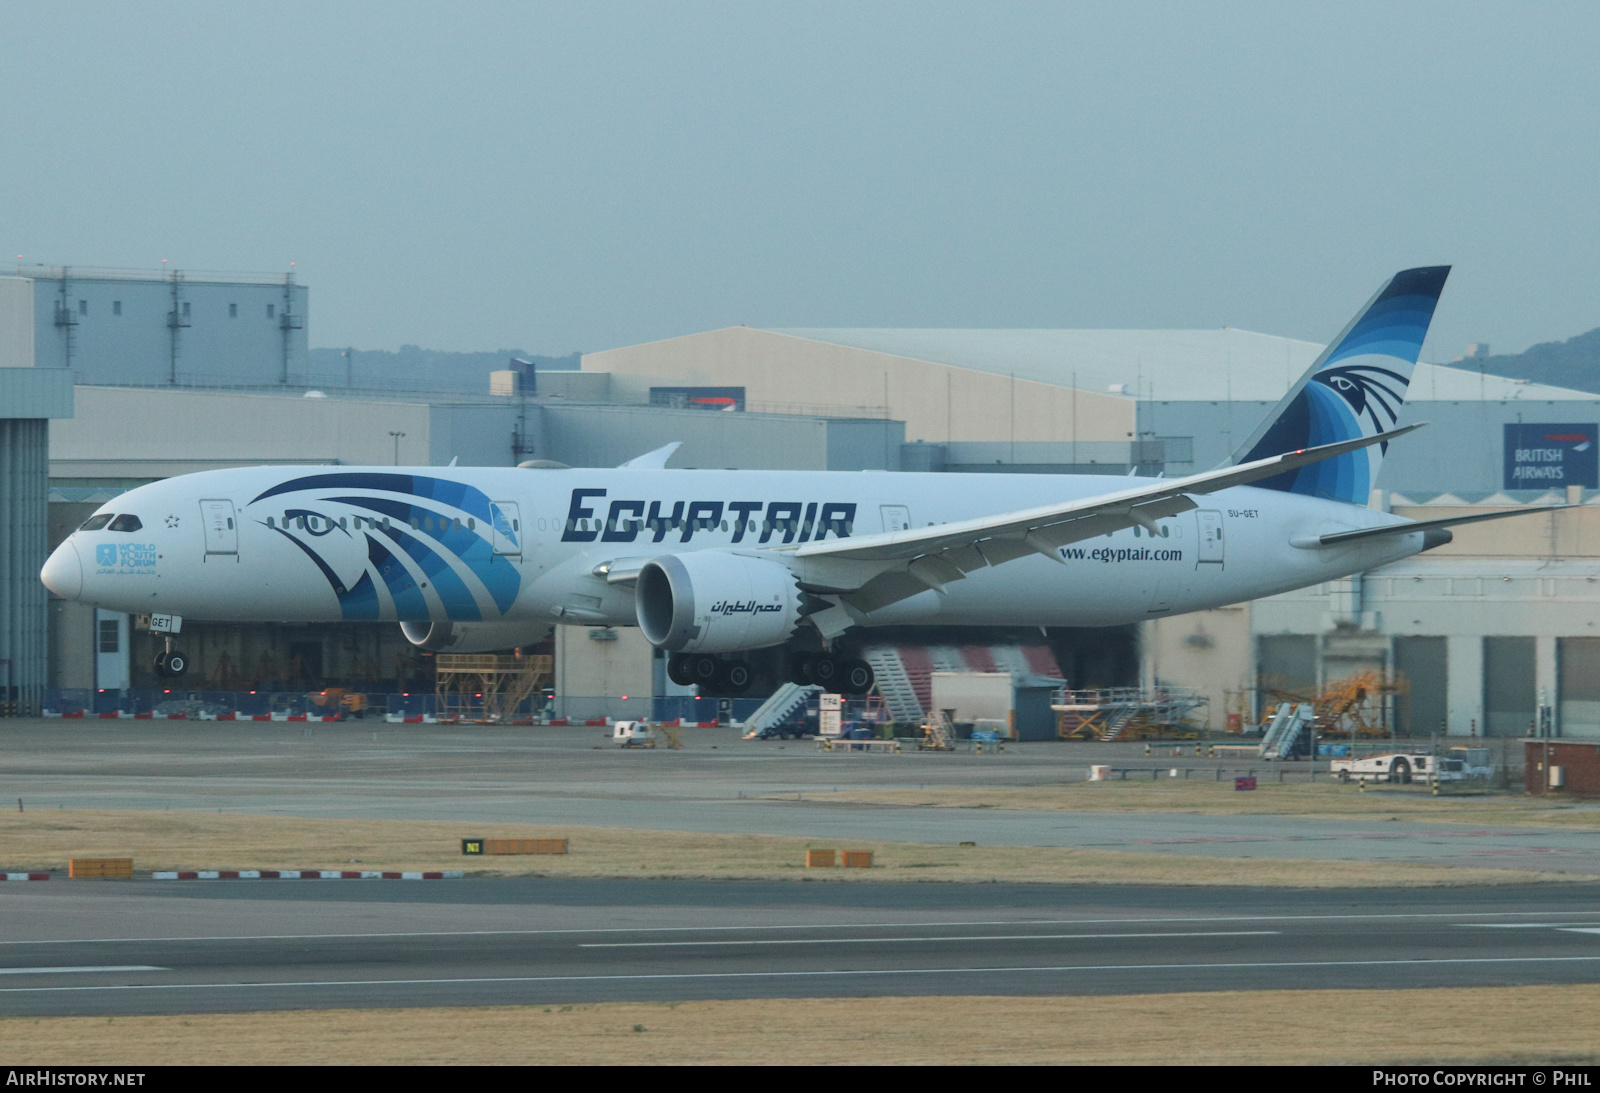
(1340, 537)
(875, 570)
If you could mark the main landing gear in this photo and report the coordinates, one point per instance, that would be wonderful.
(710, 673)
(843, 675)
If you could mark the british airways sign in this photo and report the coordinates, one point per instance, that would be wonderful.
(1539, 457)
(591, 516)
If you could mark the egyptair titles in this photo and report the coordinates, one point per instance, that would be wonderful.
(757, 522)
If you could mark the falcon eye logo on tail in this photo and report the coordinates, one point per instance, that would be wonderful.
(1355, 389)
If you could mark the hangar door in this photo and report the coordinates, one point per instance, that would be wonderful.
(1422, 706)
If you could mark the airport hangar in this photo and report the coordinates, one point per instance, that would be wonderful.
(177, 372)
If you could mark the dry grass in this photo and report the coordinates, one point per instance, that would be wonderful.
(1494, 1024)
(45, 839)
(1322, 799)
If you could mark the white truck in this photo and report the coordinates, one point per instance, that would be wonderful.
(1404, 767)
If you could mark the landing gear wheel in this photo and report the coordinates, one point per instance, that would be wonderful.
(678, 665)
(161, 663)
(800, 669)
(735, 677)
(177, 664)
(825, 671)
(856, 677)
(703, 670)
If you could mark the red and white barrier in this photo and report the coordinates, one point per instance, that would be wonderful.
(24, 876)
(300, 874)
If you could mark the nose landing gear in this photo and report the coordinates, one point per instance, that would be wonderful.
(171, 663)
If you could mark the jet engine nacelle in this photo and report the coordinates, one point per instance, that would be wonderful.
(472, 637)
(711, 601)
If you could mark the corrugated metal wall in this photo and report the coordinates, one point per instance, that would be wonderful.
(24, 475)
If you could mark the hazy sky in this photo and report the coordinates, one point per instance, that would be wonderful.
(560, 177)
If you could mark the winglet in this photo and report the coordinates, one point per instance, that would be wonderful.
(652, 461)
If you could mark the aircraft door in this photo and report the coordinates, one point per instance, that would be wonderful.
(895, 517)
(221, 531)
(506, 529)
(1211, 545)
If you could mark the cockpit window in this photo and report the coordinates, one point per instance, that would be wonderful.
(96, 522)
(126, 522)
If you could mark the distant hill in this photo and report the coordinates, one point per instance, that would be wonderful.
(1574, 363)
(413, 368)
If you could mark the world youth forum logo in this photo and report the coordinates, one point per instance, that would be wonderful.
(105, 555)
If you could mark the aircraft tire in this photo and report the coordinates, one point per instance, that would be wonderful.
(678, 669)
(161, 664)
(734, 677)
(704, 670)
(825, 671)
(1400, 772)
(856, 677)
(177, 664)
(800, 669)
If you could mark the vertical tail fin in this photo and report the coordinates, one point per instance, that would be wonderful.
(1355, 389)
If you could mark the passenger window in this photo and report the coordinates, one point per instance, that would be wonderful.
(126, 522)
(95, 523)
(472, 525)
(341, 523)
(516, 525)
(230, 523)
(270, 523)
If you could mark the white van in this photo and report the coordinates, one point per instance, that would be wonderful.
(633, 734)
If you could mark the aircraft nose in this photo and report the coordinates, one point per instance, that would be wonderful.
(63, 572)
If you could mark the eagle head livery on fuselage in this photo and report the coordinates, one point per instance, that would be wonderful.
(710, 564)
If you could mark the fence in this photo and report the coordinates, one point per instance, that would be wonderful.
(198, 704)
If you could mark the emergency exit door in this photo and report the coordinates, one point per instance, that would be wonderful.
(222, 535)
(895, 517)
(506, 528)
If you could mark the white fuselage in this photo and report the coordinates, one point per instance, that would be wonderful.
(486, 544)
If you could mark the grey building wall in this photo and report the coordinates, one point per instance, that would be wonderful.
(121, 330)
(24, 490)
(606, 436)
(481, 435)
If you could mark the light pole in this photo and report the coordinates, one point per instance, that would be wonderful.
(397, 437)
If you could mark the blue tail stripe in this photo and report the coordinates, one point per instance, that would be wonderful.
(1357, 389)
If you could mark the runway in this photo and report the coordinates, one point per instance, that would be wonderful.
(226, 946)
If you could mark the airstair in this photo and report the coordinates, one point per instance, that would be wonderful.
(894, 683)
(781, 705)
(1283, 733)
